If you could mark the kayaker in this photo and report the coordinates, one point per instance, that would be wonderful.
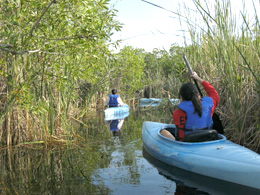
(114, 100)
(194, 113)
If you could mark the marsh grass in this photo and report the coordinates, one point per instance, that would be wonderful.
(42, 104)
(228, 57)
(36, 108)
(225, 52)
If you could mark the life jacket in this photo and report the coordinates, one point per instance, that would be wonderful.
(114, 125)
(113, 100)
(194, 121)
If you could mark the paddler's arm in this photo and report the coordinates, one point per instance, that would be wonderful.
(210, 90)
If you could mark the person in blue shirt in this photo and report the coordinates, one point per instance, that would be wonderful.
(114, 100)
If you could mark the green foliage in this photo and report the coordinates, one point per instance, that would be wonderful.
(54, 57)
(48, 48)
(164, 71)
(127, 70)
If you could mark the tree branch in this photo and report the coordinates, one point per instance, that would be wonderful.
(5, 46)
(37, 22)
(28, 52)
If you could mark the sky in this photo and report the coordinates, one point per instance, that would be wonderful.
(147, 26)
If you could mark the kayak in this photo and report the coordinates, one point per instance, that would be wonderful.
(114, 113)
(220, 158)
(116, 116)
(144, 102)
(194, 183)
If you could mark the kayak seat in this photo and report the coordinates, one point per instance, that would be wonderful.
(202, 136)
(171, 130)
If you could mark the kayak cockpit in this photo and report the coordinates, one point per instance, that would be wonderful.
(200, 136)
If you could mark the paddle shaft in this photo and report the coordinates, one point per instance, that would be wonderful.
(190, 70)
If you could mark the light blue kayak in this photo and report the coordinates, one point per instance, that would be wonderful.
(196, 181)
(145, 102)
(221, 159)
(114, 113)
(117, 116)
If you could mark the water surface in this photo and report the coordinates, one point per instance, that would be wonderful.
(110, 161)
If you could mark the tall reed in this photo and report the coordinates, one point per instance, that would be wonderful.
(226, 53)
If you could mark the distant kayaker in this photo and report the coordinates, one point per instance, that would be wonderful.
(114, 100)
(194, 113)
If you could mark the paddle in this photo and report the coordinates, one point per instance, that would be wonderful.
(190, 70)
(217, 124)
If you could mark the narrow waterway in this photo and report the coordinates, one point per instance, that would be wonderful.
(111, 161)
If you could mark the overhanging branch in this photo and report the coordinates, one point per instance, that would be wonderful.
(37, 22)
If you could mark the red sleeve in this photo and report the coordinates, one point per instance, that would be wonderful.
(211, 92)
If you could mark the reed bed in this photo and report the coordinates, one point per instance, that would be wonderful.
(224, 50)
(226, 53)
(46, 99)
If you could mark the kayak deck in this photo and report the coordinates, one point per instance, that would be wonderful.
(221, 159)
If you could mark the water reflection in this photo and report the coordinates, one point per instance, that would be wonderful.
(104, 164)
(192, 183)
(30, 171)
(116, 125)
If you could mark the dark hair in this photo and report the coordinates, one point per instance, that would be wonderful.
(114, 91)
(188, 92)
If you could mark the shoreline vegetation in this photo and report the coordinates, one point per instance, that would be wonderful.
(57, 69)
